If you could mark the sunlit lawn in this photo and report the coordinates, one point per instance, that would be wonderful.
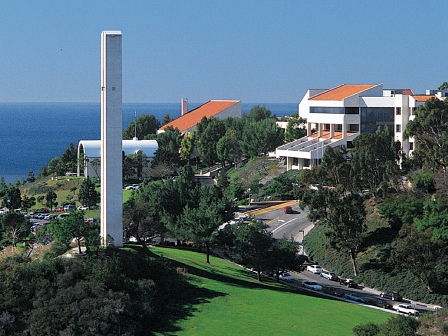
(242, 306)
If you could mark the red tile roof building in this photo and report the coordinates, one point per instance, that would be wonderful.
(221, 109)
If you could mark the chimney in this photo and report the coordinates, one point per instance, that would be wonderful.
(183, 106)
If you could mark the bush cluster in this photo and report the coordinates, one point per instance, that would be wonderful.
(115, 292)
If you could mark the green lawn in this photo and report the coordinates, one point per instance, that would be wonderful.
(240, 305)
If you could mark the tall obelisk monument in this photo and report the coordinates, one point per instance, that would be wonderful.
(111, 139)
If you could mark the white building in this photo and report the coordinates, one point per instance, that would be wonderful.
(89, 155)
(337, 116)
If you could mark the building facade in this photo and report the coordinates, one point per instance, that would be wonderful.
(337, 116)
(89, 155)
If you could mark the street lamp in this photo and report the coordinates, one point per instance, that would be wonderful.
(303, 241)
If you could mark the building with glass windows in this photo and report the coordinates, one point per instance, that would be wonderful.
(337, 116)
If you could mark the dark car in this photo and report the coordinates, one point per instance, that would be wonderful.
(394, 296)
(379, 303)
(349, 283)
(287, 210)
(333, 291)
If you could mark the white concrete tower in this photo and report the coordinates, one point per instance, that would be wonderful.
(111, 139)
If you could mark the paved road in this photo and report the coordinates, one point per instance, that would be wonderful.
(294, 225)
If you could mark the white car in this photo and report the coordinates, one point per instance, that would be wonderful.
(316, 269)
(406, 309)
(329, 275)
(285, 276)
(83, 207)
(312, 285)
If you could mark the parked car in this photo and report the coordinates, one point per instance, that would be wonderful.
(312, 285)
(329, 275)
(69, 207)
(394, 296)
(316, 269)
(355, 297)
(288, 210)
(59, 209)
(406, 309)
(349, 283)
(285, 276)
(379, 303)
(333, 291)
(83, 207)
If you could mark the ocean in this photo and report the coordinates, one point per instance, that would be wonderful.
(31, 134)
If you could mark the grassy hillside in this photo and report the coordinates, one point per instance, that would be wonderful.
(237, 304)
(66, 189)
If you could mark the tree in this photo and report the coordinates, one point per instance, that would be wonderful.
(69, 160)
(187, 146)
(50, 199)
(295, 129)
(12, 198)
(198, 224)
(96, 164)
(208, 140)
(55, 167)
(129, 164)
(430, 131)
(28, 202)
(424, 257)
(251, 245)
(346, 224)
(284, 255)
(258, 113)
(401, 210)
(435, 217)
(141, 127)
(169, 146)
(260, 137)
(443, 86)
(15, 225)
(31, 177)
(138, 221)
(166, 119)
(336, 166)
(87, 193)
(375, 161)
(74, 227)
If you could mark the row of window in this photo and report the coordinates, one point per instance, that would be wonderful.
(356, 110)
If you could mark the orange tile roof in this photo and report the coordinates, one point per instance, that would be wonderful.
(342, 91)
(423, 98)
(408, 92)
(193, 117)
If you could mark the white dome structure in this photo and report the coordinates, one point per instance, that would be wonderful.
(91, 150)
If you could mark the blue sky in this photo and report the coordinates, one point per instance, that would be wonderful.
(254, 51)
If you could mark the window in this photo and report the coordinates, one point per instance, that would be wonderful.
(411, 146)
(351, 110)
(350, 144)
(397, 128)
(398, 110)
(338, 128)
(326, 127)
(295, 161)
(411, 110)
(353, 128)
(306, 162)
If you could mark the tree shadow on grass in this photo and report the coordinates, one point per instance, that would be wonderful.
(194, 296)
